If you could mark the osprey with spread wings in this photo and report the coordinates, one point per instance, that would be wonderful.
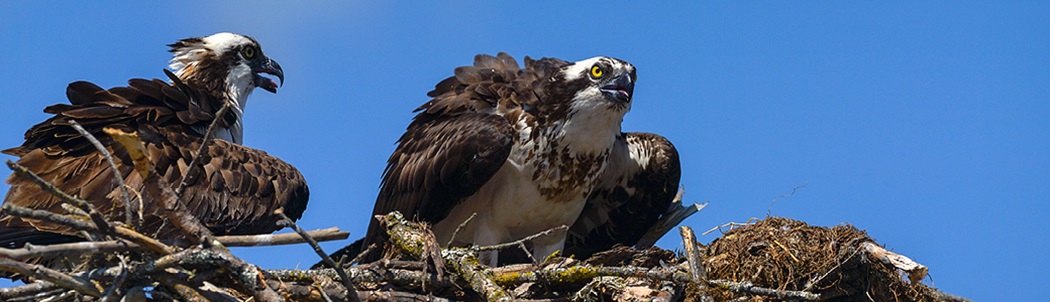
(529, 149)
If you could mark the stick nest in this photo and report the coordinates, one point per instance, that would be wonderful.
(840, 263)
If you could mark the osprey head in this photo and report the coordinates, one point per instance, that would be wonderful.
(226, 62)
(602, 82)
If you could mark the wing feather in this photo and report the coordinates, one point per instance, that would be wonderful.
(636, 189)
(231, 178)
(455, 144)
(437, 164)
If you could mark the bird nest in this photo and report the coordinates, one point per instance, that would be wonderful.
(776, 259)
(770, 260)
(840, 263)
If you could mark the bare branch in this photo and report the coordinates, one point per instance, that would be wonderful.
(321, 235)
(119, 231)
(769, 211)
(30, 250)
(916, 272)
(387, 295)
(50, 275)
(730, 225)
(460, 227)
(361, 254)
(512, 275)
(522, 240)
(29, 291)
(692, 254)
(748, 288)
(118, 178)
(113, 291)
(351, 292)
(186, 292)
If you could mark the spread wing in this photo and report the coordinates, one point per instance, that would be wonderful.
(636, 189)
(235, 191)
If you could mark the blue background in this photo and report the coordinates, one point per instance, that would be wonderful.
(923, 122)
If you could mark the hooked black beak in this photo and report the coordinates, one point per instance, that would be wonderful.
(621, 87)
(271, 67)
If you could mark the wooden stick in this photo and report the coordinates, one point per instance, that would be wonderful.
(460, 227)
(916, 272)
(122, 232)
(749, 288)
(556, 273)
(118, 178)
(351, 291)
(521, 241)
(692, 254)
(186, 292)
(50, 275)
(29, 290)
(389, 295)
(30, 250)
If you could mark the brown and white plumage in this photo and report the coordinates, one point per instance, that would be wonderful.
(637, 188)
(521, 147)
(236, 189)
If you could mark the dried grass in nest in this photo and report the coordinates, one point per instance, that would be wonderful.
(787, 254)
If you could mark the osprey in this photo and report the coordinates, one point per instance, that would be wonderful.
(529, 149)
(234, 191)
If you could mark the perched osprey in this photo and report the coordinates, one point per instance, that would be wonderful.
(528, 150)
(235, 190)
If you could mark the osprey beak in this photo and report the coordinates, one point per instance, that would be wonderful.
(621, 87)
(267, 65)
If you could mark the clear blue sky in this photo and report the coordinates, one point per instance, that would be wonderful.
(925, 123)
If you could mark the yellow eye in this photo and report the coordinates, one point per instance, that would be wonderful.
(596, 71)
(249, 52)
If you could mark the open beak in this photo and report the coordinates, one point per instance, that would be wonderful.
(621, 88)
(271, 67)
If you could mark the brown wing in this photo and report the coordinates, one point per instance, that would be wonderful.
(637, 188)
(235, 193)
(459, 139)
(439, 163)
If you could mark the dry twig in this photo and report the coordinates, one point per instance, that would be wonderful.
(351, 292)
(50, 275)
(118, 178)
(521, 241)
(769, 211)
(460, 227)
(748, 288)
(692, 254)
(86, 247)
(122, 232)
